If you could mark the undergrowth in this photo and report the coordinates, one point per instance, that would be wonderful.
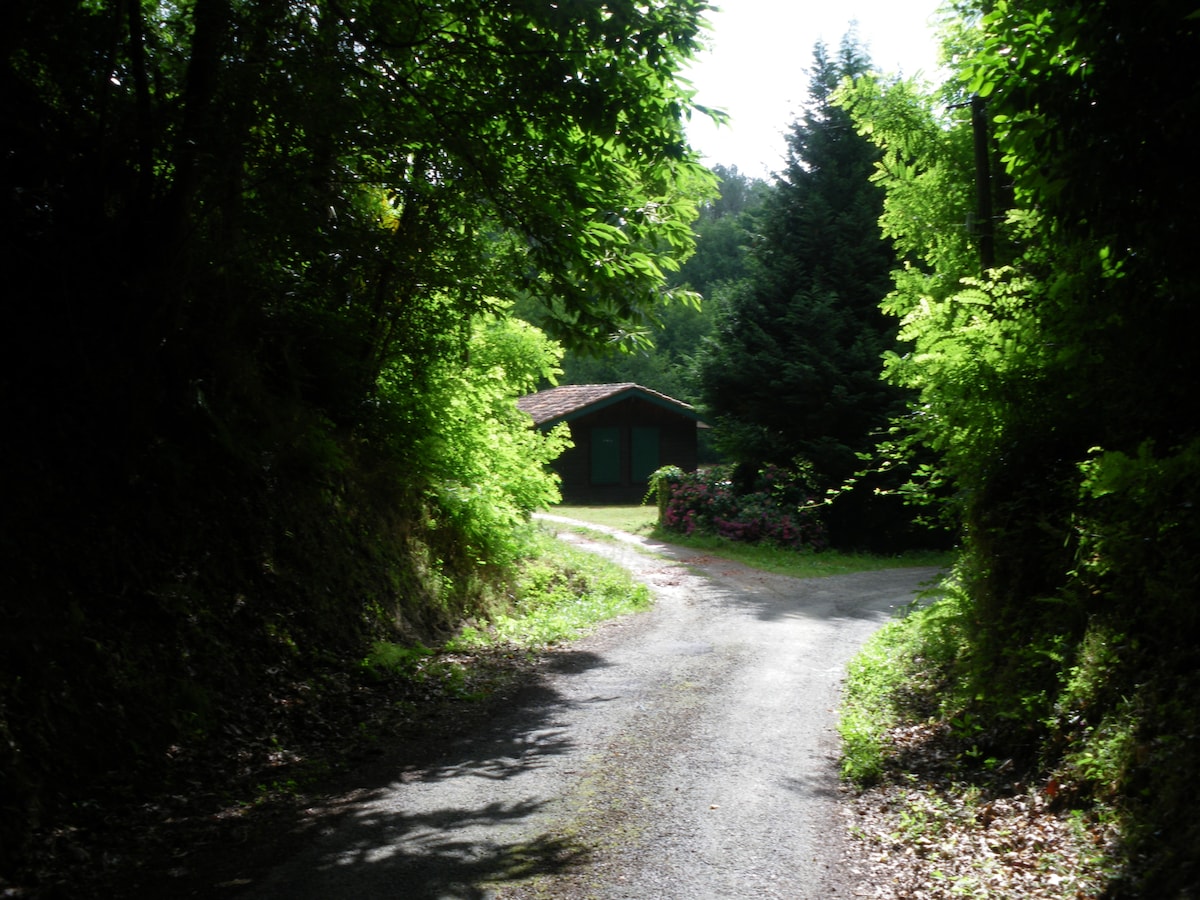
(948, 762)
(560, 593)
(557, 593)
(902, 674)
(302, 724)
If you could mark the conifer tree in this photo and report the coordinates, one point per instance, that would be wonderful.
(793, 371)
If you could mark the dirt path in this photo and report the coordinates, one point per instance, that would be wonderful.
(687, 752)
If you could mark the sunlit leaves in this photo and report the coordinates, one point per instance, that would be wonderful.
(364, 177)
(975, 360)
(482, 465)
(1058, 389)
(925, 169)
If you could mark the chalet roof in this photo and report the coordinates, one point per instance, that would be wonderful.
(569, 401)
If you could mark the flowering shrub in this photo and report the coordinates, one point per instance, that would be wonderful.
(777, 508)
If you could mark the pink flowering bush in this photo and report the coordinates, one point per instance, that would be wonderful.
(776, 508)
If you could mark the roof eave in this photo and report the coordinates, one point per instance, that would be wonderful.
(596, 405)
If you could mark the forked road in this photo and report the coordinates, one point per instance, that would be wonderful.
(688, 752)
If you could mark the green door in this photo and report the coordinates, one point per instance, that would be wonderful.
(645, 453)
(606, 456)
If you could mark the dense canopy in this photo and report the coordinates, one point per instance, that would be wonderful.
(261, 257)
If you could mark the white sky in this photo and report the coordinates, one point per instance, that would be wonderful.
(756, 67)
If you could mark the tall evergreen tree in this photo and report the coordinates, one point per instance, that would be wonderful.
(793, 370)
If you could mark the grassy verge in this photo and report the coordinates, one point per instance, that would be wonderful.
(634, 519)
(898, 677)
(943, 808)
(782, 561)
(561, 593)
(767, 557)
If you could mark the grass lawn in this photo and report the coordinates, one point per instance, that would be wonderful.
(644, 520)
(634, 519)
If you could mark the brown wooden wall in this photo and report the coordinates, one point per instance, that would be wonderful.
(677, 447)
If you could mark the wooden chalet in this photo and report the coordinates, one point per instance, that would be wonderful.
(622, 433)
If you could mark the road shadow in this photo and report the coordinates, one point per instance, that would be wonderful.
(391, 853)
(820, 786)
(356, 837)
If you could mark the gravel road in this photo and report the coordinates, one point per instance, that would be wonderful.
(686, 752)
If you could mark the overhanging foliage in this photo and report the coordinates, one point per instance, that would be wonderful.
(262, 254)
(1050, 351)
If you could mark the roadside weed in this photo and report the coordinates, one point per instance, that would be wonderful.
(560, 593)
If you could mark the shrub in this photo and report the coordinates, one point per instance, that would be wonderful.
(776, 508)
